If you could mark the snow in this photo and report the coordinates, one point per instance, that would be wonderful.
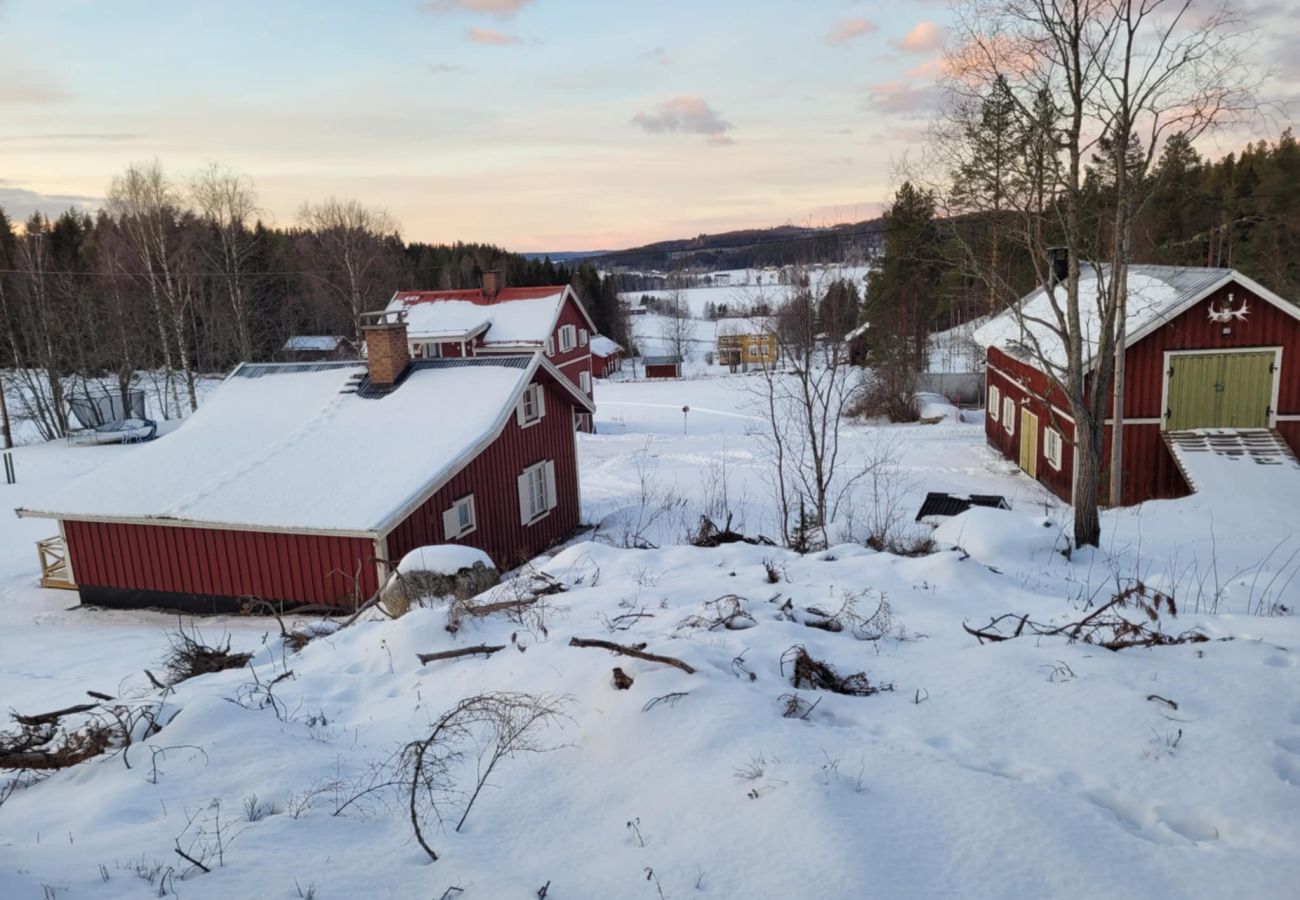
(292, 449)
(936, 406)
(1022, 769)
(313, 342)
(508, 321)
(445, 559)
(748, 287)
(1155, 293)
(603, 346)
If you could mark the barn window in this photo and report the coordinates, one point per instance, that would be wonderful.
(459, 520)
(568, 338)
(536, 491)
(995, 398)
(532, 406)
(1009, 415)
(1052, 444)
(582, 337)
(584, 382)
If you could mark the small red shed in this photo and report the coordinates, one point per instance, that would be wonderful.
(662, 366)
(606, 356)
(1206, 349)
(297, 483)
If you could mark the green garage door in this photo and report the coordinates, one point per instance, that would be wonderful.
(1220, 390)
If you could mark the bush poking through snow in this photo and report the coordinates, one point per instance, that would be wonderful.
(44, 742)
(501, 725)
(807, 672)
(1106, 626)
(189, 657)
(726, 612)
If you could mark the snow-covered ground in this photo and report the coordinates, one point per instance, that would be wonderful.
(743, 288)
(1028, 768)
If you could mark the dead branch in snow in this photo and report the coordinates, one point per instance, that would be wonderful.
(484, 649)
(1105, 626)
(670, 699)
(622, 680)
(190, 657)
(807, 672)
(727, 612)
(43, 742)
(636, 650)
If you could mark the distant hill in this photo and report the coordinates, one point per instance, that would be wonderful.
(750, 247)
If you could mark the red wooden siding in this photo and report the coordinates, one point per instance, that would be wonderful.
(294, 568)
(491, 478)
(604, 366)
(1024, 386)
(666, 370)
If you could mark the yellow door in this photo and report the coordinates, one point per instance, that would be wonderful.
(1029, 443)
(1219, 390)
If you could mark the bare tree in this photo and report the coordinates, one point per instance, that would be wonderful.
(354, 244)
(678, 329)
(227, 203)
(1061, 64)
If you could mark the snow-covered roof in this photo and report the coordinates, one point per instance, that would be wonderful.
(1156, 294)
(514, 316)
(603, 346)
(294, 447)
(322, 342)
(738, 325)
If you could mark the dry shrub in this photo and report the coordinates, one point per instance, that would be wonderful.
(807, 672)
(188, 657)
(726, 612)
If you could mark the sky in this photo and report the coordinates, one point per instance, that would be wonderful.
(538, 125)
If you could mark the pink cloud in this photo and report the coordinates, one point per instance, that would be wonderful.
(490, 37)
(847, 30)
(902, 97)
(500, 8)
(687, 114)
(926, 37)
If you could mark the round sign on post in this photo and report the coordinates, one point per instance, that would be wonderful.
(685, 410)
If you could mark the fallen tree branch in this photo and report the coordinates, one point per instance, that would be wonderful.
(485, 649)
(51, 718)
(636, 650)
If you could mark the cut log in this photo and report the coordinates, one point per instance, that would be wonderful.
(636, 650)
(484, 649)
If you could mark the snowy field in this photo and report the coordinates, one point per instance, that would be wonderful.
(745, 287)
(1028, 768)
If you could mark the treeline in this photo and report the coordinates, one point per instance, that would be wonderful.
(180, 278)
(1241, 211)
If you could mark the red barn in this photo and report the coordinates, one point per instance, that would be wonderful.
(606, 356)
(1206, 349)
(662, 366)
(493, 319)
(297, 483)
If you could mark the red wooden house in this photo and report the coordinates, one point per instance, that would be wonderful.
(297, 483)
(1206, 350)
(493, 320)
(606, 356)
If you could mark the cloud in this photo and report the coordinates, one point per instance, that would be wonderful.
(79, 137)
(847, 30)
(445, 68)
(926, 37)
(20, 203)
(19, 86)
(685, 115)
(656, 54)
(491, 37)
(500, 8)
(903, 97)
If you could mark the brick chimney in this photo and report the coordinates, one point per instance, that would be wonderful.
(491, 284)
(387, 352)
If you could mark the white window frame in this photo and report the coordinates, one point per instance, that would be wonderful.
(582, 337)
(460, 518)
(531, 407)
(995, 401)
(1053, 443)
(584, 381)
(1009, 415)
(550, 346)
(568, 338)
(536, 485)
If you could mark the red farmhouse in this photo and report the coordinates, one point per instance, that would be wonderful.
(606, 356)
(496, 320)
(1207, 350)
(295, 483)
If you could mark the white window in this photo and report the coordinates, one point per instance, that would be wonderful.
(568, 338)
(584, 381)
(459, 520)
(582, 337)
(550, 346)
(995, 398)
(536, 491)
(1052, 446)
(532, 406)
(1009, 415)
(426, 350)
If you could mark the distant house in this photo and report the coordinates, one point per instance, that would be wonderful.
(316, 347)
(299, 483)
(747, 341)
(1206, 349)
(606, 356)
(493, 319)
(662, 366)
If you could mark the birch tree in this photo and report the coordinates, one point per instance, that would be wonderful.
(354, 244)
(227, 204)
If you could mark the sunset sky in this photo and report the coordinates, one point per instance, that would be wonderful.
(534, 124)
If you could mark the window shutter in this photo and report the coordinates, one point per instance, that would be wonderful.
(522, 483)
(519, 411)
(450, 523)
(541, 399)
(551, 500)
(550, 346)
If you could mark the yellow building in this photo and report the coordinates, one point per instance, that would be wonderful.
(745, 342)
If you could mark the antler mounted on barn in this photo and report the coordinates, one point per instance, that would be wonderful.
(1227, 313)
